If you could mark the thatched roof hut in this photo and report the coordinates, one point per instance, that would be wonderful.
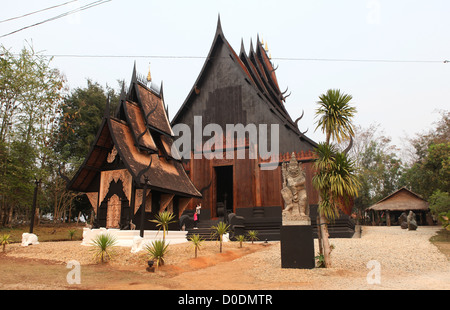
(401, 200)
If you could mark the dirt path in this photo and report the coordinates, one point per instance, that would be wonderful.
(408, 261)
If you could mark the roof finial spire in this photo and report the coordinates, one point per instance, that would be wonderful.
(219, 24)
(149, 76)
(133, 76)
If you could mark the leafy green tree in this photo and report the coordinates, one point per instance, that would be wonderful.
(30, 96)
(77, 125)
(430, 170)
(81, 116)
(439, 202)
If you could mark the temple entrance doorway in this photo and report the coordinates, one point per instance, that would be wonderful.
(224, 188)
(113, 212)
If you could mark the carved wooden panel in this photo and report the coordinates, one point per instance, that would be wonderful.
(113, 212)
(115, 175)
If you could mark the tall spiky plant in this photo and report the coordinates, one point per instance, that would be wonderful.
(334, 179)
(335, 115)
(157, 250)
(163, 219)
(104, 246)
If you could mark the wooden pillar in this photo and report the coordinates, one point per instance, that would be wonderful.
(257, 179)
(132, 201)
(141, 232)
(388, 218)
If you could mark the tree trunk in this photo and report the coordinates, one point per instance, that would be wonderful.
(319, 236)
(325, 241)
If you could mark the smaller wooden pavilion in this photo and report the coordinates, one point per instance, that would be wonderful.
(130, 173)
(402, 200)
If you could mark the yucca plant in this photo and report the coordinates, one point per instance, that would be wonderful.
(241, 239)
(4, 240)
(335, 115)
(156, 251)
(163, 219)
(72, 233)
(104, 246)
(219, 230)
(334, 180)
(196, 242)
(252, 235)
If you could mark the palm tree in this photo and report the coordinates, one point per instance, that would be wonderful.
(196, 242)
(219, 230)
(335, 115)
(103, 246)
(163, 219)
(335, 179)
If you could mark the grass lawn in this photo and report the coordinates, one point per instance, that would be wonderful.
(442, 241)
(45, 232)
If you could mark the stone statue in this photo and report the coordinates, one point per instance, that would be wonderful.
(294, 193)
(412, 224)
(403, 220)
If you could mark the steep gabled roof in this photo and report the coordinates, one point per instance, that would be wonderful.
(258, 71)
(166, 175)
(94, 160)
(142, 136)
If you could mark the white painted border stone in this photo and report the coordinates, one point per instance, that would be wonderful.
(132, 239)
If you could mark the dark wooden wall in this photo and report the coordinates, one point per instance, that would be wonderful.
(252, 186)
(224, 95)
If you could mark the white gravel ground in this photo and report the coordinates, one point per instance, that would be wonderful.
(407, 260)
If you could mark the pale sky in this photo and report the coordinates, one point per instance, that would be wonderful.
(316, 36)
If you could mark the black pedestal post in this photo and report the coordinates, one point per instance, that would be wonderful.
(297, 247)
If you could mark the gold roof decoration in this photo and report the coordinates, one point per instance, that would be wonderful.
(149, 76)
